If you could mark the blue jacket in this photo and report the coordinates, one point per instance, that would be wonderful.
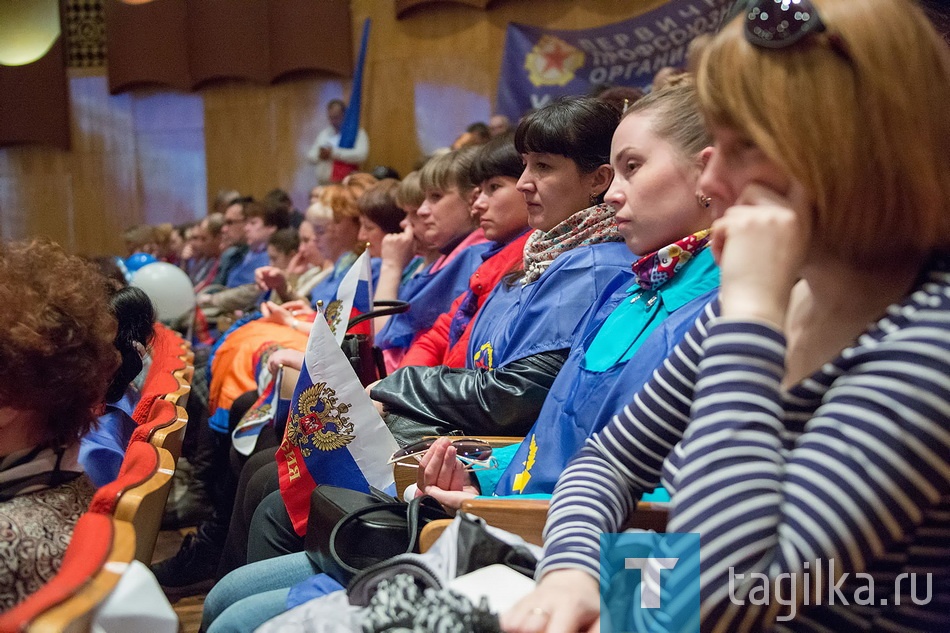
(243, 273)
(622, 340)
(102, 449)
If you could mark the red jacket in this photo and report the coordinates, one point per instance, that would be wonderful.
(432, 347)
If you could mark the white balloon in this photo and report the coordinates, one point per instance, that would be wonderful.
(168, 287)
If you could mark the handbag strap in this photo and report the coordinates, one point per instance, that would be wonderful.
(416, 510)
(380, 308)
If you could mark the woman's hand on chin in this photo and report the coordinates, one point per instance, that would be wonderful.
(565, 601)
(760, 245)
(398, 249)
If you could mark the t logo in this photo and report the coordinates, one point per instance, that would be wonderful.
(650, 585)
(668, 582)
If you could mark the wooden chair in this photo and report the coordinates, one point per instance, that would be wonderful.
(184, 375)
(164, 427)
(526, 518)
(405, 477)
(161, 380)
(139, 494)
(99, 552)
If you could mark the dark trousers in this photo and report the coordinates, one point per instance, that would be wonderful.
(272, 532)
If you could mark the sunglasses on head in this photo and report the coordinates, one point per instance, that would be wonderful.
(776, 23)
(475, 454)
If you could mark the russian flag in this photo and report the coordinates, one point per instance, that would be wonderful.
(353, 298)
(334, 435)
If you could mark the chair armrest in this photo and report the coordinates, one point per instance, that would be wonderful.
(526, 517)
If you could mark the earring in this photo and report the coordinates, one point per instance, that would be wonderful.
(593, 199)
(703, 200)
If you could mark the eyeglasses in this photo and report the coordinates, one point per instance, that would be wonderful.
(776, 23)
(474, 454)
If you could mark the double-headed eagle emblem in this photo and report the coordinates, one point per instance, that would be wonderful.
(319, 421)
(333, 314)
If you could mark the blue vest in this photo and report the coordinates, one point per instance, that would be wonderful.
(430, 294)
(523, 320)
(583, 400)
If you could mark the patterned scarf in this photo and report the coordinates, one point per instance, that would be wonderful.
(591, 226)
(657, 268)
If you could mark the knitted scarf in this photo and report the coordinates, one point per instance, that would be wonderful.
(591, 226)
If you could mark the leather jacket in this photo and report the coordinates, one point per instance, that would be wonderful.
(441, 400)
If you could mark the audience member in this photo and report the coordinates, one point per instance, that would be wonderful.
(57, 358)
(102, 449)
(523, 332)
(334, 163)
(803, 418)
(202, 251)
(140, 239)
(658, 153)
(446, 216)
(499, 125)
(233, 245)
(502, 214)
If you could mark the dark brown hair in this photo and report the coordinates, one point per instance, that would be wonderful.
(57, 333)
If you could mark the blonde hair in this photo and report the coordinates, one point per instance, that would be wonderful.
(449, 171)
(675, 116)
(410, 194)
(837, 113)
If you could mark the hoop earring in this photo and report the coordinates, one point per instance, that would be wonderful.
(593, 199)
(703, 200)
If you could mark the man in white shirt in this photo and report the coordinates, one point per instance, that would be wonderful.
(333, 162)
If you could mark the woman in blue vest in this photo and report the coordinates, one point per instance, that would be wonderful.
(523, 333)
(449, 227)
(658, 152)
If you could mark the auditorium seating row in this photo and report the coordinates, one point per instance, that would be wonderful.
(124, 517)
(524, 517)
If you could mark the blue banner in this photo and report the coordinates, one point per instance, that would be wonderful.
(540, 65)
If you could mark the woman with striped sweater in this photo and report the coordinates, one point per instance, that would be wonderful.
(805, 420)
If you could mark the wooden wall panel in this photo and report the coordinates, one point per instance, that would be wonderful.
(440, 61)
(82, 198)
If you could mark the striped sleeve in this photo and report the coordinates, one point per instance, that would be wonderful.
(600, 486)
(872, 460)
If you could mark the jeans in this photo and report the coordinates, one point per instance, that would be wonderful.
(250, 595)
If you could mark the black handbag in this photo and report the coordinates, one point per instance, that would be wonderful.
(348, 530)
(364, 356)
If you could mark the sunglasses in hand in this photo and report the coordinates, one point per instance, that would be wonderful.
(473, 453)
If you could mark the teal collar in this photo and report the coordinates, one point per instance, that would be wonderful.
(698, 276)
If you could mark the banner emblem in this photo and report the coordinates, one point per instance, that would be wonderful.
(319, 420)
(333, 314)
(552, 62)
